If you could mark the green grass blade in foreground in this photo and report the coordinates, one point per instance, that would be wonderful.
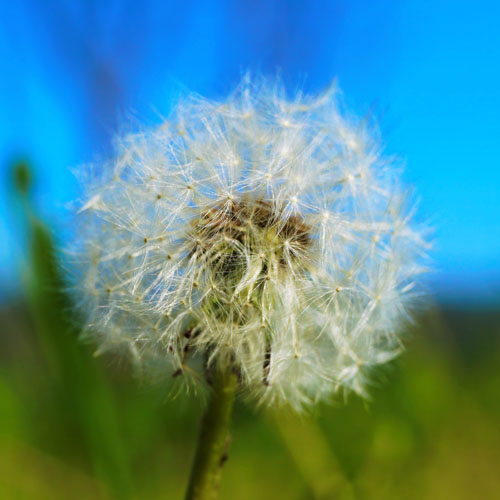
(84, 396)
(83, 385)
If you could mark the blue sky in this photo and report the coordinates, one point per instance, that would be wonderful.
(72, 73)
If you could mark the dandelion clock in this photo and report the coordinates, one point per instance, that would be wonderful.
(260, 246)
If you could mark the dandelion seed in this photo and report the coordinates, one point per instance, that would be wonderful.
(295, 259)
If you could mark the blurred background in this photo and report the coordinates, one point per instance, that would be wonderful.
(73, 74)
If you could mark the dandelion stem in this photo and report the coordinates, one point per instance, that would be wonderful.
(213, 440)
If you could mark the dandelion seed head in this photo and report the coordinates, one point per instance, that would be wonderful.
(263, 234)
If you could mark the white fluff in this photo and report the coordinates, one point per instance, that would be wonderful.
(300, 304)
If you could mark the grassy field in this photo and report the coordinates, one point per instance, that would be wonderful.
(73, 426)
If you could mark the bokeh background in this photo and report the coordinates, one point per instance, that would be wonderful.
(73, 73)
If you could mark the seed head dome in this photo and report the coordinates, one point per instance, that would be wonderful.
(261, 234)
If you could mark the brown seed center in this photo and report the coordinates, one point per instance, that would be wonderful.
(251, 227)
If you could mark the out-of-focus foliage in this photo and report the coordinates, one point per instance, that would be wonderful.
(72, 426)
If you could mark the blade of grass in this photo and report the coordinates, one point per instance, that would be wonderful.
(84, 392)
(308, 448)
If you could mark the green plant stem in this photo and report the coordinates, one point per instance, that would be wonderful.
(213, 441)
